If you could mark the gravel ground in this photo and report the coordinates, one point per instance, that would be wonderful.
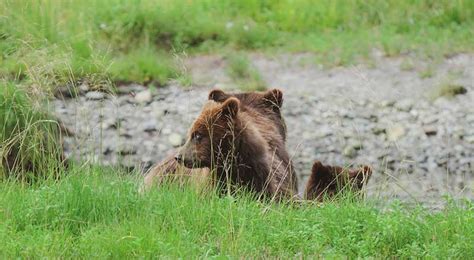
(380, 115)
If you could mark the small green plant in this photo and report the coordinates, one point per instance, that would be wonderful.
(29, 137)
(243, 73)
(143, 65)
(448, 90)
(407, 65)
(428, 72)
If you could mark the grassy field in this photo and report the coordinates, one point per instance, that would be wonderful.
(85, 211)
(97, 213)
(55, 41)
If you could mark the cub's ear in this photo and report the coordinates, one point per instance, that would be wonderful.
(318, 181)
(321, 174)
(317, 166)
(230, 107)
(217, 95)
(274, 97)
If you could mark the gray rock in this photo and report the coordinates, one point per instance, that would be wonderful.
(149, 126)
(108, 149)
(395, 132)
(166, 131)
(111, 123)
(143, 97)
(127, 150)
(83, 88)
(323, 131)
(175, 139)
(387, 103)
(430, 119)
(357, 145)
(349, 151)
(133, 88)
(162, 147)
(378, 130)
(404, 105)
(469, 139)
(95, 95)
(430, 130)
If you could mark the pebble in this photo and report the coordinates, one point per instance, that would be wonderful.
(349, 151)
(394, 133)
(430, 130)
(95, 95)
(143, 97)
(127, 150)
(130, 89)
(175, 139)
(404, 105)
(469, 139)
(149, 126)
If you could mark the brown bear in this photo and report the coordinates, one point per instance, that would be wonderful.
(267, 104)
(327, 181)
(170, 170)
(239, 145)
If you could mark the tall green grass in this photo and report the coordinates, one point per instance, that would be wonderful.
(30, 144)
(94, 212)
(88, 37)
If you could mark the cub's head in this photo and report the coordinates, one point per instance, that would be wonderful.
(211, 134)
(328, 181)
(268, 103)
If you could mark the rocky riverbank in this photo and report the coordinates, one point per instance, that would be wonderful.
(420, 148)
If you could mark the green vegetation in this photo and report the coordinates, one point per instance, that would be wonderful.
(447, 89)
(243, 73)
(97, 212)
(29, 139)
(128, 40)
(428, 72)
(407, 64)
(92, 213)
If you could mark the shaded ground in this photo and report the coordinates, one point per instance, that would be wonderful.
(381, 114)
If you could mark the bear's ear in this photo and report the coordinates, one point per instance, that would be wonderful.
(318, 181)
(230, 107)
(217, 95)
(317, 165)
(321, 173)
(274, 97)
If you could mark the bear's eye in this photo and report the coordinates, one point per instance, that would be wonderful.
(197, 137)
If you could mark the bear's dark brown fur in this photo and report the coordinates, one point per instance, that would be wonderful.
(239, 145)
(327, 181)
(266, 104)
